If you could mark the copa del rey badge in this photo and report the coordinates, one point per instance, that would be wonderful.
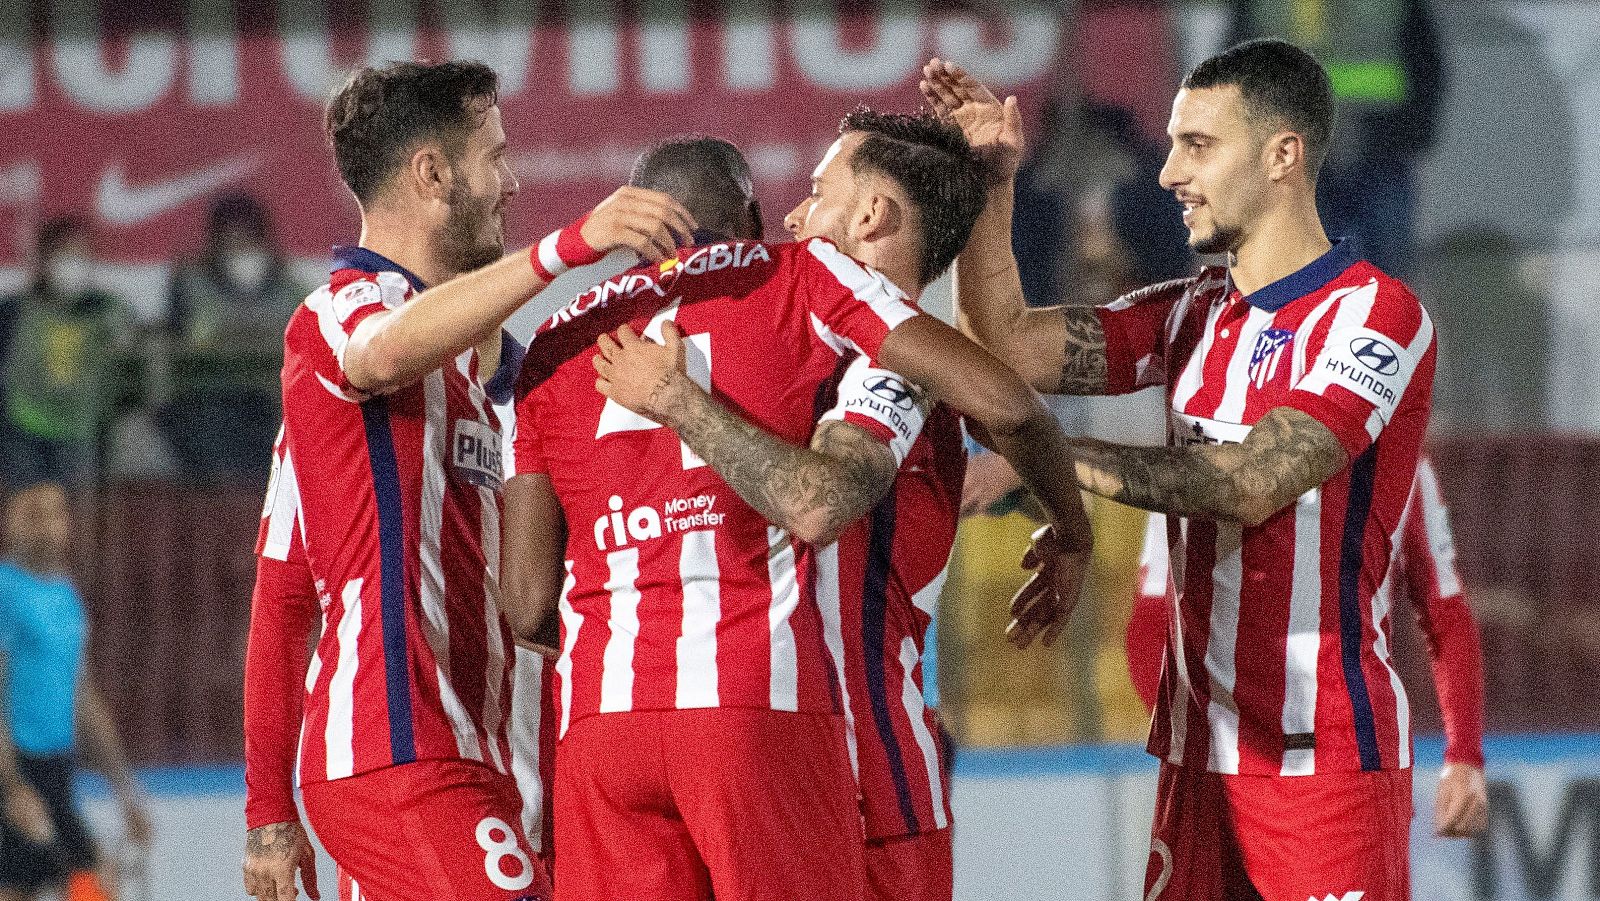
(1271, 345)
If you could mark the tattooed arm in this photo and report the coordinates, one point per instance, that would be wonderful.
(811, 492)
(1057, 350)
(1287, 454)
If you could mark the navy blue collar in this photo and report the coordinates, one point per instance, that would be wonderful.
(1305, 280)
(369, 261)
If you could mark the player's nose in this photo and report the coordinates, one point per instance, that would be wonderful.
(795, 219)
(1169, 176)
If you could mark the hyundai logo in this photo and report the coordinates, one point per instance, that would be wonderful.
(892, 390)
(1376, 355)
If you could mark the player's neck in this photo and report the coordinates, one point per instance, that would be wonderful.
(895, 267)
(1283, 243)
(400, 243)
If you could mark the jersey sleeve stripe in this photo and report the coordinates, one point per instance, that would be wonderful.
(392, 587)
(1435, 519)
(875, 292)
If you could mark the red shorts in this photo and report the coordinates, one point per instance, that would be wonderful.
(428, 830)
(917, 867)
(671, 805)
(1280, 838)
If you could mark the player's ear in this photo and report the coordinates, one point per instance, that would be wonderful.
(1284, 153)
(429, 172)
(880, 216)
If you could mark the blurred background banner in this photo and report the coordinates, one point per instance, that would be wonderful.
(150, 108)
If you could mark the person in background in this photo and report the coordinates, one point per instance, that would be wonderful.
(1386, 63)
(54, 361)
(226, 312)
(1426, 557)
(53, 712)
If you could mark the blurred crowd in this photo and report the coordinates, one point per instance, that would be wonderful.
(89, 389)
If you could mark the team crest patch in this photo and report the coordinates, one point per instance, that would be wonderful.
(1271, 345)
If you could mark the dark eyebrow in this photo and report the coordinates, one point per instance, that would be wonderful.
(1193, 136)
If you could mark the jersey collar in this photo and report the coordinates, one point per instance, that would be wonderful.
(366, 260)
(1305, 280)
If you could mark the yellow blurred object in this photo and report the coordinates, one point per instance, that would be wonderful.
(993, 694)
(85, 885)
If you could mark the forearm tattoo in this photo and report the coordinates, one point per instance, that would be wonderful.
(1287, 454)
(833, 482)
(1083, 366)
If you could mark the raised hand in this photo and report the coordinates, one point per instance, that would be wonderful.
(649, 223)
(637, 372)
(993, 128)
(1042, 606)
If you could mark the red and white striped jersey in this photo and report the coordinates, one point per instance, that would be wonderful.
(1279, 659)
(877, 587)
(400, 499)
(1425, 559)
(679, 594)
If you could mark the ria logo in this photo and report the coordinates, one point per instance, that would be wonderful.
(1376, 356)
(892, 390)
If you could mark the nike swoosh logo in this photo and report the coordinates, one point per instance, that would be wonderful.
(120, 203)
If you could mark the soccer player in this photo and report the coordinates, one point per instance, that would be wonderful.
(702, 746)
(395, 449)
(1298, 379)
(54, 713)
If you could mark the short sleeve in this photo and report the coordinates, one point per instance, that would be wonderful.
(344, 305)
(1378, 339)
(527, 449)
(887, 406)
(852, 306)
(1136, 329)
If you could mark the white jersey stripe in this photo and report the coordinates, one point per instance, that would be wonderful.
(785, 598)
(1226, 582)
(436, 620)
(1441, 544)
(829, 603)
(1304, 643)
(527, 671)
(1382, 603)
(1193, 375)
(702, 610)
(283, 505)
(339, 734)
(493, 712)
(549, 257)
(572, 624)
(616, 678)
(869, 287)
(1184, 695)
(915, 707)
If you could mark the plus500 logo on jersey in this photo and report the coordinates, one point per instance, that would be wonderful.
(476, 455)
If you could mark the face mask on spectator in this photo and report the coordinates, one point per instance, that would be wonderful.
(247, 269)
(69, 274)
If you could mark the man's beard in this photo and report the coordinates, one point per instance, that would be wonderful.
(462, 245)
(1222, 240)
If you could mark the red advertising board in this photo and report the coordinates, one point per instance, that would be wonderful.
(135, 118)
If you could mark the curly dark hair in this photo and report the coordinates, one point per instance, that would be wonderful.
(933, 163)
(382, 112)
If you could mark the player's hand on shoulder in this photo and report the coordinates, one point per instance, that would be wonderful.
(993, 128)
(640, 374)
(272, 855)
(1045, 602)
(649, 223)
(1461, 809)
(26, 810)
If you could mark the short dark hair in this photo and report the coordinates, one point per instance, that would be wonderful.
(382, 112)
(1280, 82)
(709, 176)
(932, 162)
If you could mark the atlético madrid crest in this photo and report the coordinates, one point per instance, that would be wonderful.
(1271, 345)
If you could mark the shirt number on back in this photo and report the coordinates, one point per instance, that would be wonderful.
(499, 841)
